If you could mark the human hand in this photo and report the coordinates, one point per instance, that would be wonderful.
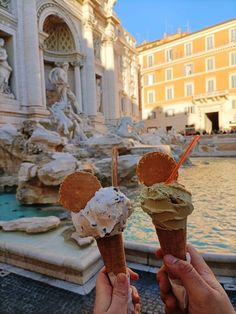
(205, 293)
(113, 300)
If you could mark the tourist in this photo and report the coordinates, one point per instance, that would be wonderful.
(205, 293)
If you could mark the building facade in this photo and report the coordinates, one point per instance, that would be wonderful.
(188, 80)
(37, 36)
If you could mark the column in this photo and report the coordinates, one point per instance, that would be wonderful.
(111, 97)
(42, 37)
(78, 90)
(89, 70)
(31, 54)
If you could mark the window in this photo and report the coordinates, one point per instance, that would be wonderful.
(169, 93)
(188, 69)
(210, 64)
(150, 79)
(189, 89)
(169, 55)
(233, 58)
(188, 49)
(209, 42)
(151, 97)
(233, 35)
(233, 80)
(150, 60)
(169, 74)
(210, 85)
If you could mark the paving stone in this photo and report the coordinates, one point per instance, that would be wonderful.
(20, 295)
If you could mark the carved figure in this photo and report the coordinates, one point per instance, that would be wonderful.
(99, 93)
(125, 128)
(97, 48)
(59, 77)
(5, 69)
(68, 123)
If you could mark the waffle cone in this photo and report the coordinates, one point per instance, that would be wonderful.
(113, 253)
(173, 242)
(155, 167)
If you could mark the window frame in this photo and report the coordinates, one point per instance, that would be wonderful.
(149, 92)
(188, 44)
(232, 37)
(149, 80)
(171, 75)
(172, 92)
(231, 81)
(231, 57)
(150, 57)
(168, 55)
(213, 64)
(213, 79)
(206, 42)
(185, 65)
(186, 84)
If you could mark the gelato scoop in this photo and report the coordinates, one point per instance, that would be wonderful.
(104, 215)
(168, 205)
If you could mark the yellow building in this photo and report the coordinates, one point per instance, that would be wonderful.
(188, 80)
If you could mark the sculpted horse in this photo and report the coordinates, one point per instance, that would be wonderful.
(127, 129)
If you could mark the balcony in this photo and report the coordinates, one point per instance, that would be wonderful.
(211, 96)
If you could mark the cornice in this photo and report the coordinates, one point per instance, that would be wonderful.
(8, 19)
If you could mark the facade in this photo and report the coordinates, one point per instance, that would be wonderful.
(188, 80)
(37, 36)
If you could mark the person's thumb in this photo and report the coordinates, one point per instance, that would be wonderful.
(119, 301)
(187, 274)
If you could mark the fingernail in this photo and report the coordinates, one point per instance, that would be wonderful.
(170, 260)
(121, 279)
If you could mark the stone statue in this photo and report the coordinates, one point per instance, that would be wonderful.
(99, 94)
(97, 48)
(5, 69)
(126, 128)
(59, 77)
(68, 123)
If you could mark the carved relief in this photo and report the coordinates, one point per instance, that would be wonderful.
(5, 4)
(5, 71)
(97, 47)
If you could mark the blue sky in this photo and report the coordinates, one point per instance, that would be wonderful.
(150, 19)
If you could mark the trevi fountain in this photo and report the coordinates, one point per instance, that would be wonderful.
(90, 105)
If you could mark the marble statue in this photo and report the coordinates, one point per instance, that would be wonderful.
(68, 123)
(126, 128)
(97, 48)
(59, 77)
(99, 94)
(5, 69)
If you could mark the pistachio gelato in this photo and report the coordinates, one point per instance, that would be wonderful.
(167, 204)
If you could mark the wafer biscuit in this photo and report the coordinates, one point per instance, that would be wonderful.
(155, 167)
(77, 189)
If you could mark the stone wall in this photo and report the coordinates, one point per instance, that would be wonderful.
(217, 145)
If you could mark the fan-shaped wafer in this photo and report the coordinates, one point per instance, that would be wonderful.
(155, 167)
(77, 189)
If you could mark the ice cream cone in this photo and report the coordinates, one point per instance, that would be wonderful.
(155, 167)
(173, 242)
(113, 253)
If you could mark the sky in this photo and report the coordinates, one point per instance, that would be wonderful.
(150, 19)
